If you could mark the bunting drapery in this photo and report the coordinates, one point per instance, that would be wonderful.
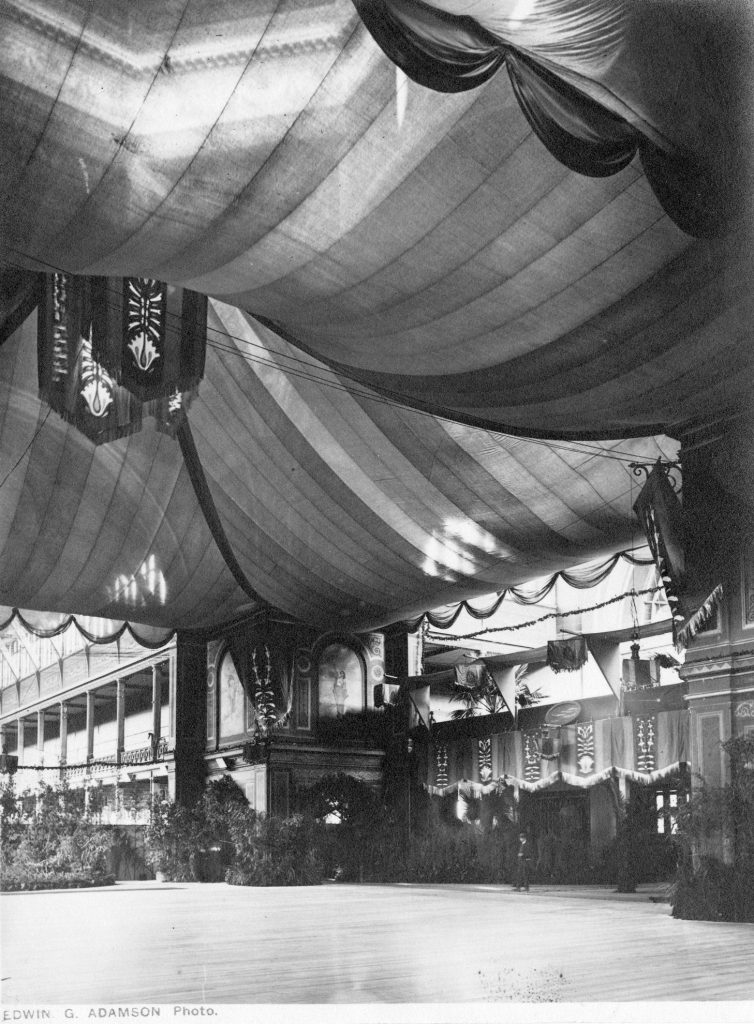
(581, 578)
(598, 81)
(644, 749)
(96, 630)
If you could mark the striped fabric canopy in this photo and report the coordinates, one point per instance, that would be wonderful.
(289, 488)
(396, 272)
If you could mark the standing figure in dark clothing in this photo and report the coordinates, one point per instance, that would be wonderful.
(523, 860)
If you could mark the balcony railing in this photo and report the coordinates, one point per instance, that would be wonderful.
(107, 762)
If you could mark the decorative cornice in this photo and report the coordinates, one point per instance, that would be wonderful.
(719, 693)
(127, 62)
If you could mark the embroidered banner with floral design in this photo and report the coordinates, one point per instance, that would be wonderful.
(155, 339)
(111, 350)
(485, 759)
(441, 765)
(71, 379)
(585, 748)
(645, 742)
(532, 758)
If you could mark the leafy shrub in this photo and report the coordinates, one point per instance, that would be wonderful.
(31, 877)
(58, 846)
(714, 818)
(713, 891)
(276, 851)
(446, 855)
(180, 840)
(636, 854)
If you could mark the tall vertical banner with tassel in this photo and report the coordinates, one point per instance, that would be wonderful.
(155, 339)
(691, 588)
(72, 379)
(659, 512)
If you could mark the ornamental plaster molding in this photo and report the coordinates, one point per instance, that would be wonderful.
(51, 24)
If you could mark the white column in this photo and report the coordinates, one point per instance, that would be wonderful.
(120, 714)
(40, 737)
(63, 756)
(90, 725)
(20, 726)
(156, 709)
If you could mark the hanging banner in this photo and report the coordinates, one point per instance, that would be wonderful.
(504, 677)
(566, 655)
(441, 765)
(71, 379)
(153, 336)
(606, 653)
(686, 557)
(471, 676)
(659, 512)
(645, 742)
(419, 708)
(585, 753)
(484, 755)
(532, 757)
(112, 350)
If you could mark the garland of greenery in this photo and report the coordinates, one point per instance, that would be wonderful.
(553, 615)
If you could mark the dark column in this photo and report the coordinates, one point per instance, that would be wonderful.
(719, 663)
(190, 717)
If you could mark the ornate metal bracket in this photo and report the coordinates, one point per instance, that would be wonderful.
(672, 471)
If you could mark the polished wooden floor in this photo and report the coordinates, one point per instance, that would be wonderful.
(217, 944)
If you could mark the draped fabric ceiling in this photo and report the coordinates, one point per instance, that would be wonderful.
(397, 270)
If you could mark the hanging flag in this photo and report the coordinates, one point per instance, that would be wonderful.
(72, 380)
(419, 708)
(504, 677)
(566, 655)
(606, 653)
(659, 512)
(472, 675)
(152, 336)
(683, 551)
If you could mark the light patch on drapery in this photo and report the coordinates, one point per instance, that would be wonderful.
(143, 588)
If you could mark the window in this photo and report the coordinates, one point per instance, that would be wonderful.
(342, 681)
(666, 807)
